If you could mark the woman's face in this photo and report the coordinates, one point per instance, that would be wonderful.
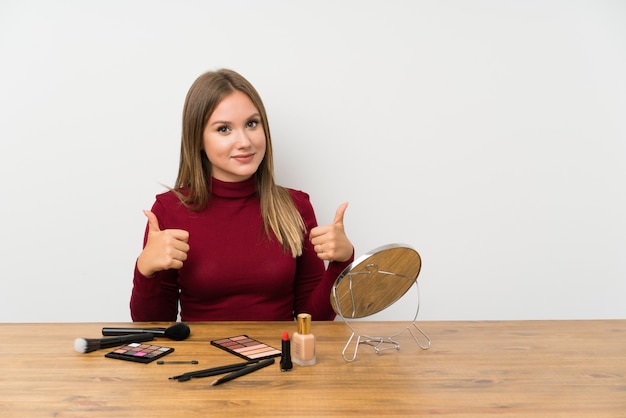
(233, 139)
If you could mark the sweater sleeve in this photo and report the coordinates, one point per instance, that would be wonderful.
(313, 282)
(155, 298)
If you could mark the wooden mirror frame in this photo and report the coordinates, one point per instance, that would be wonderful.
(375, 281)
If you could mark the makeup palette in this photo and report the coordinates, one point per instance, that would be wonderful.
(246, 347)
(141, 353)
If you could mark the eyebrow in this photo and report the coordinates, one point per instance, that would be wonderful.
(224, 122)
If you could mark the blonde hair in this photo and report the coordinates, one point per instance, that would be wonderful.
(193, 184)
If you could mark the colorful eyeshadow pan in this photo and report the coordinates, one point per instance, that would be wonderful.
(141, 353)
(246, 347)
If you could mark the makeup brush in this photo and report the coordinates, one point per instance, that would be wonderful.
(87, 345)
(177, 332)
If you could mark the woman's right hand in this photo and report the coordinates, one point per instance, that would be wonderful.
(164, 250)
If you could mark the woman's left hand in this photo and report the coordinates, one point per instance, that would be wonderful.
(330, 241)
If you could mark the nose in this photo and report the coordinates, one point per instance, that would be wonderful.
(242, 140)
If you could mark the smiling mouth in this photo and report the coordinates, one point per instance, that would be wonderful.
(243, 157)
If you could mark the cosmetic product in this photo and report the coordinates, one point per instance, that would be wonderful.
(87, 345)
(213, 371)
(304, 342)
(177, 332)
(178, 362)
(244, 371)
(246, 347)
(285, 358)
(140, 353)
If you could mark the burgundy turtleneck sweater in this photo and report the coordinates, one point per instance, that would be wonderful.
(234, 272)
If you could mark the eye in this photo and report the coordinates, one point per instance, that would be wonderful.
(252, 123)
(223, 129)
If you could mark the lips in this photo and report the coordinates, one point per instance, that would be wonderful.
(243, 158)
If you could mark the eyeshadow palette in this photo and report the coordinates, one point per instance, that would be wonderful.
(141, 353)
(246, 347)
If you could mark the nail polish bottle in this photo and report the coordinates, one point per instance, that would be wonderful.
(303, 342)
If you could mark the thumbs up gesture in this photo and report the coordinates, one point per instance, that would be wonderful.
(330, 241)
(164, 250)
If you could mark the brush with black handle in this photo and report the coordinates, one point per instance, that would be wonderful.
(87, 345)
(177, 332)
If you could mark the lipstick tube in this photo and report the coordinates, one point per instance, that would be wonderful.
(285, 358)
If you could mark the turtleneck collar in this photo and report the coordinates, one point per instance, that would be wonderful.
(233, 190)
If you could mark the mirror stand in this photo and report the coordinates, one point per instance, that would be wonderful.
(382, 343)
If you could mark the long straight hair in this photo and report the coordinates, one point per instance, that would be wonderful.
(193, 184)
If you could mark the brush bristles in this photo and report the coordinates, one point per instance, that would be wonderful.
(85, 345)
(178, 332)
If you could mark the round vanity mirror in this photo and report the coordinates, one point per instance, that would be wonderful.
(375, 281)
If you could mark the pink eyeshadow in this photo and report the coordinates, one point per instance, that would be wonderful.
(241, 337)
(249, 348)
(264, 353)
(246, 347)
(259, 350)
(236, 346)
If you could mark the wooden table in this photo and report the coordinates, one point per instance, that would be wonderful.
(473, 369)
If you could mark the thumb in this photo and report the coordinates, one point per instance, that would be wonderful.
(153, 222)
(339, 214)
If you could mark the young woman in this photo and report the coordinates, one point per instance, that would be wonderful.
(227, 243)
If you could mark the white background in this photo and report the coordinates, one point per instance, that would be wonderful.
(488, 135)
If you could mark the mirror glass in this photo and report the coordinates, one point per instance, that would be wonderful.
(375, 281)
